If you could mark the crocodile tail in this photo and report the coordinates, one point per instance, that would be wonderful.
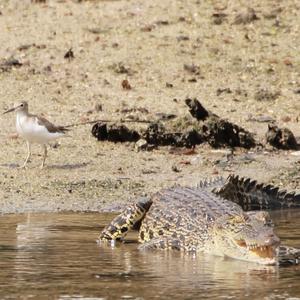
(251, 195)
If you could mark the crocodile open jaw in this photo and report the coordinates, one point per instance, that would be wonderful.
(267, 251)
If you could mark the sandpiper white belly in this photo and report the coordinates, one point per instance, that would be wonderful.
(33, 132)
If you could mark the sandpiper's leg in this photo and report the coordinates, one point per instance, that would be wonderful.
(45, 156)
(28, 154)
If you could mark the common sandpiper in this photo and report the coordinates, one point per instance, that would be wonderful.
(35, 129)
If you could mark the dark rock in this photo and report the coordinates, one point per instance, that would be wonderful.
(126, 85)
(157, 134)
(196, 109)
(99, 131)
(281, 138)
(69, 54)
(297, 91)
(175, 169)
(162, 22)
(114, 133)
(219, 133)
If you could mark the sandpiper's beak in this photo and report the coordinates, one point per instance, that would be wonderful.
(10, 110)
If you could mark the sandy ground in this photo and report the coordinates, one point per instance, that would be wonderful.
(244, 71)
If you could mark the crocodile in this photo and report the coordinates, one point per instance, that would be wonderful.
(220, 217)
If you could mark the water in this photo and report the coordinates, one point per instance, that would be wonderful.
(56, 256)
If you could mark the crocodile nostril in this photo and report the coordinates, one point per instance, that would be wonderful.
(272, 239)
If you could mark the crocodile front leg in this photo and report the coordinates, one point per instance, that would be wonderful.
(288, 256)
(126, 220)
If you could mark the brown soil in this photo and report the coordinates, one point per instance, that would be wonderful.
(141, 58)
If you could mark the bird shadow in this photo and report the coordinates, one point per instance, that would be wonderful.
(10, 166)
(61, 167)
(69, 166)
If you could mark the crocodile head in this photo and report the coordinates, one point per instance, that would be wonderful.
(247, 237)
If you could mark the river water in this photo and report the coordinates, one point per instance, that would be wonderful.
(55, 256)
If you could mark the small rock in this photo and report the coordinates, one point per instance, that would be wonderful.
(120, 68)
(297, 91)
(175, 169)
(69, 54)
(219, 18)
(162, 22)
(147, 28)
(246, 17)
(55, 145)
(141, 145)
(182, 38)
(148, 171)
(224, 90)
(126, 85)
(191, 68)
(25, 47)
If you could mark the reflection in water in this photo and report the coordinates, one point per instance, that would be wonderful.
(56, 256)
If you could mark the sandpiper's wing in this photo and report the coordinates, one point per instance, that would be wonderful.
(50, 126)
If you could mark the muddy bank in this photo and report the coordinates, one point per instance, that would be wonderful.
(130, 60)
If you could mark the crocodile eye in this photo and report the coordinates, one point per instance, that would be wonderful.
(236, 220)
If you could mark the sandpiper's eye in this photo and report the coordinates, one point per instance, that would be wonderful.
(22, 105)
